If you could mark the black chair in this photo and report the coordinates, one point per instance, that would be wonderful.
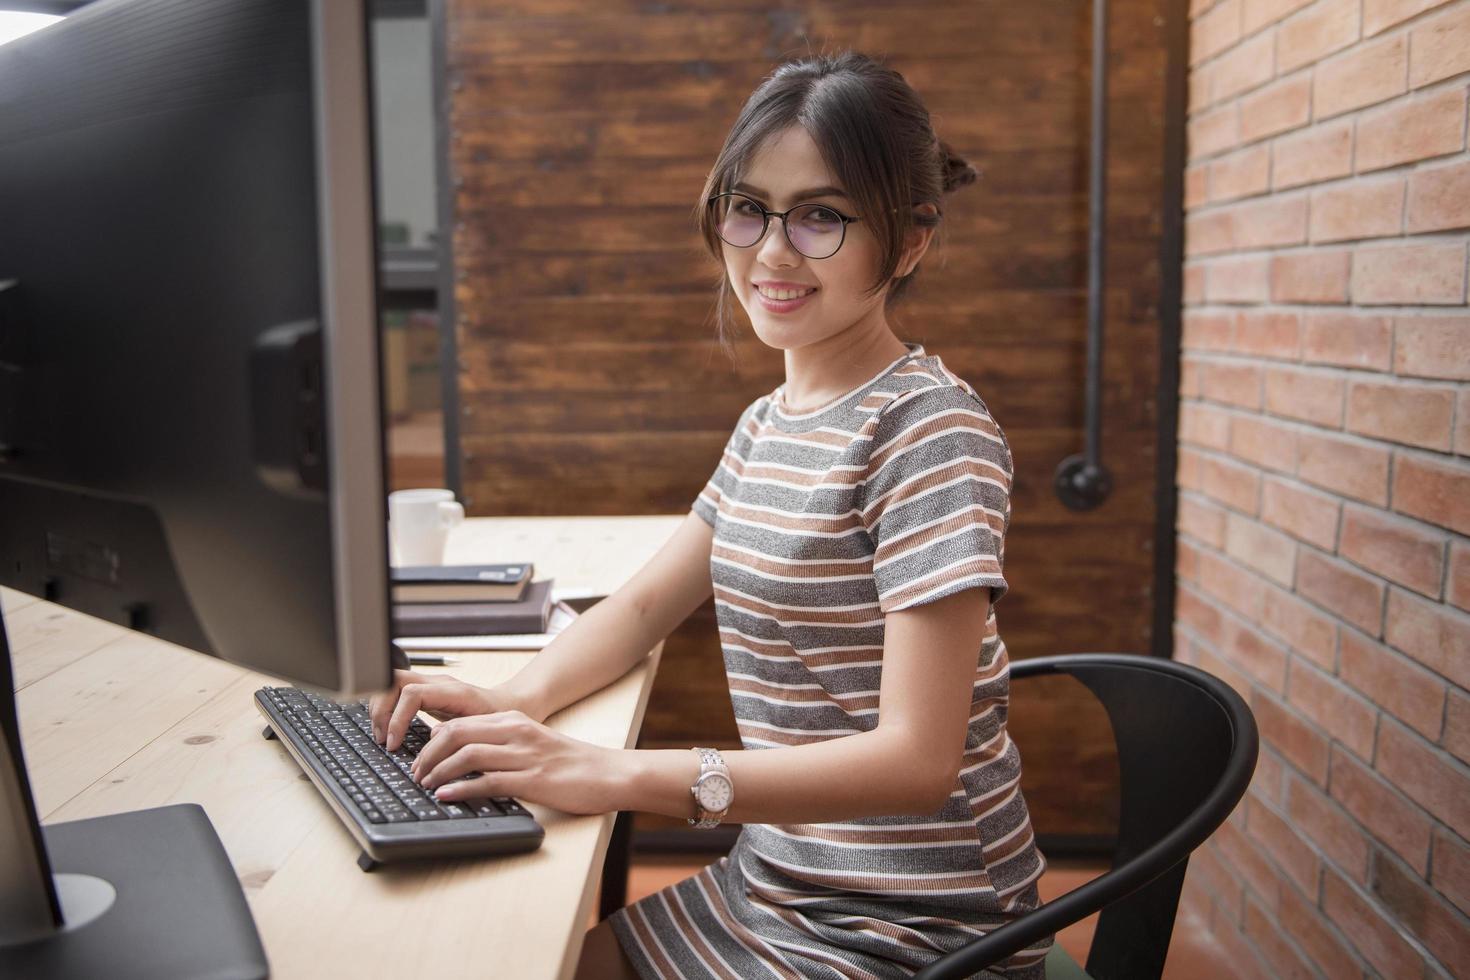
(1186, 750)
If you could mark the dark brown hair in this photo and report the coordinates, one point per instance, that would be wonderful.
(874, 134)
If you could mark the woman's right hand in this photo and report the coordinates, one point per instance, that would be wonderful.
(437, 694)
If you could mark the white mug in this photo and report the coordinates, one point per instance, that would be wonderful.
(419, 524)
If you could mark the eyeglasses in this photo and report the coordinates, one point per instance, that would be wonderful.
(814, 230)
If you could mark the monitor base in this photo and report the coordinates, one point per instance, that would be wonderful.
(178, 909)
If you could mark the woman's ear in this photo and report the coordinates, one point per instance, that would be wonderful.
(916, 243)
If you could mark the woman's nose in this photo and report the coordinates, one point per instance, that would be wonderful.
(775, 249)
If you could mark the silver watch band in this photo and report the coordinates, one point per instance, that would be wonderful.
(710, 760)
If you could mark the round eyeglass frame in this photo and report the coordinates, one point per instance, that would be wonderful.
(766, 217)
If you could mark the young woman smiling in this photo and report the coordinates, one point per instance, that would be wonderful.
(853, 538)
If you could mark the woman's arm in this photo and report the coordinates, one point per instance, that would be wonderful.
(906, 765)
(600, 646)
(607, 640)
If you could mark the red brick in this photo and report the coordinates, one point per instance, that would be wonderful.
(1213, 131)
(1194, 611)
(1229, 482)
(1309, 632)
(1284, 104)
(1317, 937)
(1439, 198)
(1462, 423)
(1459, 589)
(1312, 35)
(1194, 282)
(1349, 467)
(1347, 340)
(1425, 914)
(1381, 808)
(1395, 683)
(1269, 552)
(1270, 222)
(1186, 560)
(1435, 635)
(1232, 382)
(1202, 519)
(1341, 589)
(1450, 869)
(1401, 551)
(1285, 962)
(1242, 68)
(1411, 412)
(1441, 47)
(1312, 155)
(1337, 710)
(1263, 442)
(1416, 128)
(1360, 209)
(1257, 656)
(1211, 663)
(1379, 15)
(1205, 866)
(1207, 233)
(1245, 860)
(1369, 929)
(1409, 274)
(1256, 14)
(1204, 425)
(1364, 76)
(1241, 173)
(1433, 346)
(1196, 185)
(1314, 276)
(1434, 491)
(1190, 473)
(1214, 31)
(1268, 333)
(1189, 376)
(1243, 279)
(1456, 735)
(1297, 742)
(1427, 776)
(1325, 824)
(1231, 585)
(1267, 780)
(1303, 513)
(1314, 396)
(1283, 845)
(1245, 961)
(1207, 330)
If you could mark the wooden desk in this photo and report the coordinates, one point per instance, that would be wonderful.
(113, 720)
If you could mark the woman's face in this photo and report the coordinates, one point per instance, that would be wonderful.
(833, 291)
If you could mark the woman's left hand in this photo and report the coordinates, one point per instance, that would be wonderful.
(518, 757)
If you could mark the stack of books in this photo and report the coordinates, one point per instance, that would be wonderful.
(469, 600)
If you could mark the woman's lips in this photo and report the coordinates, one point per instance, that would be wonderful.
(782, 305)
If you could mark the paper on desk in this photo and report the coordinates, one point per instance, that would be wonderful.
(561, 617)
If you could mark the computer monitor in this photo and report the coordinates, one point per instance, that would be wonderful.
(190, 426)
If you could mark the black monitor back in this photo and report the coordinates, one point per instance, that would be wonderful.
(190, 432)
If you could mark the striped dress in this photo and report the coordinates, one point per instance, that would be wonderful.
(895, 494)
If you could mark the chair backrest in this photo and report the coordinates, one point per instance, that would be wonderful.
(1187, 747)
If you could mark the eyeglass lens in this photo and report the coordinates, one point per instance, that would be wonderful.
(813, 230)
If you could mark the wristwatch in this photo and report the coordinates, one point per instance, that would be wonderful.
(713, 791)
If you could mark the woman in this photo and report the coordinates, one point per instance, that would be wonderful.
(852, 537)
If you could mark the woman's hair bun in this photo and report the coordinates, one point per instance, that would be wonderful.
(957, 172)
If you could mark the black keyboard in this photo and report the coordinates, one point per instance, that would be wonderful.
(390, 815)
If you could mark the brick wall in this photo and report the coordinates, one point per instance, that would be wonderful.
(1324, 474)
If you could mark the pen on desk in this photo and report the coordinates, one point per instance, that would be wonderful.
(431, 660)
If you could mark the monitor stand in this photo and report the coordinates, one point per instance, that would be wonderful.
(148, 894)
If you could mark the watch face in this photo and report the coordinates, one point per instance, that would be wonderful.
(715, 792)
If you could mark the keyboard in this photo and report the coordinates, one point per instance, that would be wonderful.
(370, 788)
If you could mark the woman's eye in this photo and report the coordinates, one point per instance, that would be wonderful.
(823, 216)
(747, 209)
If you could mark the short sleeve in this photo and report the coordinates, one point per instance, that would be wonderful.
(727, 473)
(936, 498)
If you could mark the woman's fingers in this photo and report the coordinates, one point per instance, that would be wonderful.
(490, 732)
(486, 784)
(380, 706)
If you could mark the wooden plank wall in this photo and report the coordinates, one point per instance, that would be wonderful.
(590, 382)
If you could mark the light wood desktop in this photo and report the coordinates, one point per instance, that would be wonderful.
(113, 720)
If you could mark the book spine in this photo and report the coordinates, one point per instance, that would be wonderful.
(461, 625)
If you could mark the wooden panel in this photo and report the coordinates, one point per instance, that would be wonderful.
(590, 381)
